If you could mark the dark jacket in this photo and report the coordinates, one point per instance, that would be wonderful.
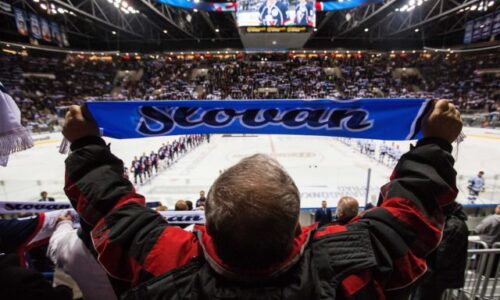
(448, 263)
(136, 244)
(18, 283)
(323, 217)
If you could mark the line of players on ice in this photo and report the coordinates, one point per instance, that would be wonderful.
(387, 154)
(143, 167)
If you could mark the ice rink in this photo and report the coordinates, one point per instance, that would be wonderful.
(323, 167)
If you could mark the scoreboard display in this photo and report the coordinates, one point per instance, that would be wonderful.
(276, 13)
(281, 29)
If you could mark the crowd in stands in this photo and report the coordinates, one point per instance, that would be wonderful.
(40, 85)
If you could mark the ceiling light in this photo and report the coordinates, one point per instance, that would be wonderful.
(417, 30)
(217, 30)
(491, 3)
(113, 32)
(43, 6)
(60, 10)
(366, 29)
(195, 10)
(165, 31)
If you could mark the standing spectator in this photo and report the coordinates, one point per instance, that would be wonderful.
(253, 243)
(67, 251)
(489, 228)
(181, 205)
(45, 197)
(189, 205)
(17, 282)
(323, 215)
(347, 209)
(476, 185)
(447, 263)
(489, 231)
(200, 203)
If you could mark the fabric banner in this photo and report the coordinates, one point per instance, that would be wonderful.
(385, 119)
(232, 6)
(342, 5)
(486, 30)
(56, 34)
(45, 30)
(476, 32)
(36, 32)
(9, 207)
(496, 24)
(57, 208)
(64, 37)
(21, 23)
(469, 27)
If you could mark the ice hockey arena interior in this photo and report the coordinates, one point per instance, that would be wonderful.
(250, 149)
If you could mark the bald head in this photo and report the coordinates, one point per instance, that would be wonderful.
(181, 205)
(497, 210)
(347, 208)
(252, 212)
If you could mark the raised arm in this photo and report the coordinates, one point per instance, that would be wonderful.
(407, 225)
(124, 232)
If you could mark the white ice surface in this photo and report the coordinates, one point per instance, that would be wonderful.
(322, 167)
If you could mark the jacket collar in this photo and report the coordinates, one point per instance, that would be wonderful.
(208, 247)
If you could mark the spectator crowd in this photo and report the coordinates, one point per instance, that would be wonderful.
(41, 84)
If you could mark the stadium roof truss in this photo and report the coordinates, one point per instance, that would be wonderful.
(431, 20)
(101, 25)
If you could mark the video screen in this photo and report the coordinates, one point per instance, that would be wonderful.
(276, 13)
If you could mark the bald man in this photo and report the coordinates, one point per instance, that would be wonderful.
(347, 209)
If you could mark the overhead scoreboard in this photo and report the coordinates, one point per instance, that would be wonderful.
(276, 13)
(275, 24)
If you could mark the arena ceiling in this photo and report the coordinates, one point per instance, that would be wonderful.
(99, 25)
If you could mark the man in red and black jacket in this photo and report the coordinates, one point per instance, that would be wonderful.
(253, 245)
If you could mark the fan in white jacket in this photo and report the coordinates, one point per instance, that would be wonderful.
(68, 252)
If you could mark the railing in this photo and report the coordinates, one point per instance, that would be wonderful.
(482, 274)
